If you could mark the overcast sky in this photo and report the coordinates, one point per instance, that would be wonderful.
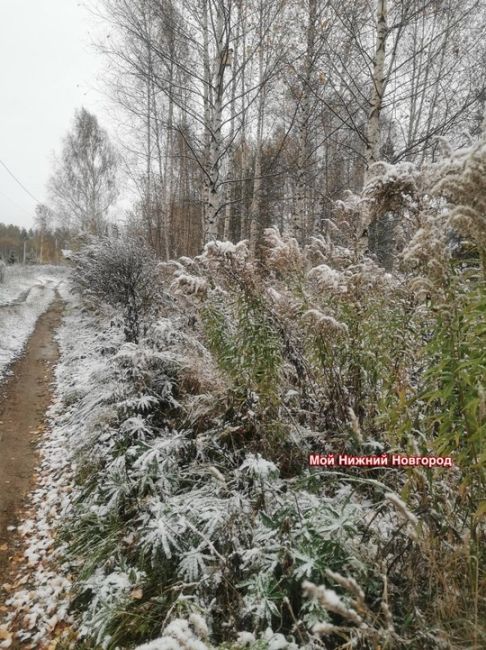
(48, 68)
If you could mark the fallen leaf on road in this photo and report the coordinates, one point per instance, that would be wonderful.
(6, 638)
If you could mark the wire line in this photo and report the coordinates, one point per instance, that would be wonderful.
(17, 205)
(19, 182)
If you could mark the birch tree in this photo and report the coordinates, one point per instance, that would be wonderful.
(84, 183)
(373, 142)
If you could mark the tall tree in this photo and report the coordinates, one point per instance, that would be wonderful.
(84, 183)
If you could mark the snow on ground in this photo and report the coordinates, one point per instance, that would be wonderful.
(26, 294)
(38, 601)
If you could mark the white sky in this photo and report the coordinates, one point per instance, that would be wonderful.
(48, 68)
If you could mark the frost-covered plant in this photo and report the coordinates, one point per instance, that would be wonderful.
(462, 183)
(392, 194)
(452, 395)
(315, 328)
(192, 471)
(347, 231)
(121, 272)
(282, 253)
(107, 593)
(443, 408)
(181, 634)
(244, 341)
(429, 255)
(193, 519)
(450, 387)
(358, 623)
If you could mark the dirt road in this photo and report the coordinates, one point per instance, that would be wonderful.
(24, 398)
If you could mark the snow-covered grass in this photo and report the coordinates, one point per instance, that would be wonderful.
(25, 294)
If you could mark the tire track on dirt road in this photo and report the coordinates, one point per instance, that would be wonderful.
(24, 398)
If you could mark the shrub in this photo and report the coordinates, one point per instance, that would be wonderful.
(121, 272)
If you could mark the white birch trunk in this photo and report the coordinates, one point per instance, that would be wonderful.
(255, 207)
(378, 86)
(301, 212)
(213, 186)
(228, 192)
